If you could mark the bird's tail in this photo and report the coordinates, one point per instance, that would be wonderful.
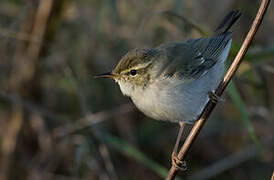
(228, 22)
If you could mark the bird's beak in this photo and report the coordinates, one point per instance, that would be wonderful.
(106, 75)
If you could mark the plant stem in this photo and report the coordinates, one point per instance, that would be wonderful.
(231, 71)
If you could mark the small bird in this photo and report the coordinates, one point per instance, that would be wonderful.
(174, 81)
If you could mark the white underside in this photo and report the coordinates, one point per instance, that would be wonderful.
(167, 99)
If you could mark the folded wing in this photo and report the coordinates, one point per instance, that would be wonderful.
(195, 57)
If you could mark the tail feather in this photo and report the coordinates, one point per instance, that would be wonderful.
(228, 22)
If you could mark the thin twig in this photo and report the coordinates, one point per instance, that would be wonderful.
(39, 29)
(26, 61)
(18, 75)
(108, 162)
(31, 106)
(186, 20)
(88, 120)
(18, 35)
(9, 140)
(91, 119)
(210, 106)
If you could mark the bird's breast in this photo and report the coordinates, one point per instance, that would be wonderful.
(163, 101)
(174, 100)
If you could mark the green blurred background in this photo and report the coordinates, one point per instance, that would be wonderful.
(58, 122)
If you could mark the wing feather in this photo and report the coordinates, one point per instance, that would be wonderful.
(194, 58)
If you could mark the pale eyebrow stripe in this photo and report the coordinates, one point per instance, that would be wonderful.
(139, 66)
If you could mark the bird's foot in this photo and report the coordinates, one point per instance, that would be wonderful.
(214, 97)
(177, 163)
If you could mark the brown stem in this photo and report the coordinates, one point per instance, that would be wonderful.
(22, 73)
(210, 106)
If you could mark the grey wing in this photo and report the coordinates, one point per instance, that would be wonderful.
(194, 58)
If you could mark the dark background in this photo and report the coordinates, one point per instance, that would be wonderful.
(58, 122)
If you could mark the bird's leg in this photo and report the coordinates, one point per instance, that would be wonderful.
(176, 162)
(214, 97)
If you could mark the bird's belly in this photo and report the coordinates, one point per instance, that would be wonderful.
(181, 103)
(180, 106)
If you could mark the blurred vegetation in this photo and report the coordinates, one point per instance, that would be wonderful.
(58, 122)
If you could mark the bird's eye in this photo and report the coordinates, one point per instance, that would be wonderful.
(133, 72)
